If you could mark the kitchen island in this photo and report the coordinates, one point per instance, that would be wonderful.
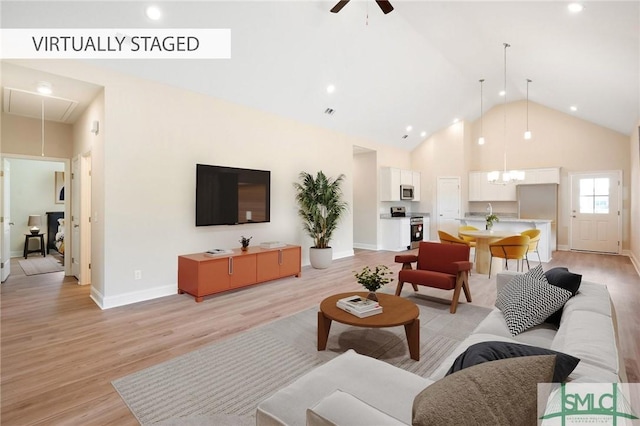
(545, 246)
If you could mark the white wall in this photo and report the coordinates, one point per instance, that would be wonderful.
(440, 155)
(634, 227)
(32, 193)
(152, 135)
(559, 140)
(365, 200)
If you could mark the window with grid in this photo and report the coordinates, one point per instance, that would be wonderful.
(594, 196)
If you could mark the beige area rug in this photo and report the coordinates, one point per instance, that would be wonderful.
(224, 382)
(40, 265)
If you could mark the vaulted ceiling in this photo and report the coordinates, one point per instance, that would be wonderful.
(417, 66)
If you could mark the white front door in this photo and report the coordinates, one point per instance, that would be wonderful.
(5, 247)
(448, 204)
(596, 223)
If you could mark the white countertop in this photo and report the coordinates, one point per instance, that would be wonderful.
(505, 220)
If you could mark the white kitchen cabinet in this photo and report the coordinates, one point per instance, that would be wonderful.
(480, 189)
(390, 180)
(475, 185)
(396, 233)
(539, 176)
(416, 185)
(389, 184)
(406, 177)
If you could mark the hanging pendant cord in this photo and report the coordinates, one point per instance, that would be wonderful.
(505, 107)
(42, 139)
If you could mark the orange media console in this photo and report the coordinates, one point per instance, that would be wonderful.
(202, 274)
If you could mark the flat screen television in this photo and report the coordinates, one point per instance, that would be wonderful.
(232, 196)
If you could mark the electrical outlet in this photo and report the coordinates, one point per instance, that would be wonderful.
(137, 274)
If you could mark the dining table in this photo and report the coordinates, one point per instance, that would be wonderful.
(483, 255)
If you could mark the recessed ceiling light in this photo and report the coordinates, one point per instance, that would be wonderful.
(575, 7)
(573, 108)
(502, 93)
(409, 128)
(455, 120)
(423, 134)
(331, 88)
(154, 13)
(44, 88)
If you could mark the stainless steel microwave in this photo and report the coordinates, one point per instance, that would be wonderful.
(406, 192)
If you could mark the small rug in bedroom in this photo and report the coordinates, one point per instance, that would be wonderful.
(40, 265)
(224, 382)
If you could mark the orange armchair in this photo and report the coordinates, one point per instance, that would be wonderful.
(443, 266)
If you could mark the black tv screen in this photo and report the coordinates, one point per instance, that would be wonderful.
(231, 196)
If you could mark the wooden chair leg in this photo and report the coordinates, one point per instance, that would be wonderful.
(465, 286)
(399, 288)
(415, 287)
(456, 295)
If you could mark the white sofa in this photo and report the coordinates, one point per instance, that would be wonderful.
(353, 389)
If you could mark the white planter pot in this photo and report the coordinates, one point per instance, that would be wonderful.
(320, 258)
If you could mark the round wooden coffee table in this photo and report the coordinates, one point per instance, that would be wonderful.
(396, 311)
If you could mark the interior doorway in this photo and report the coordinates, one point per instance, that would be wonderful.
(596, 212)
(448, 204)
(81, 218)
(33, 186)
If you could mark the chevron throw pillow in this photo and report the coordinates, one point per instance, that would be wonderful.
(528, 299)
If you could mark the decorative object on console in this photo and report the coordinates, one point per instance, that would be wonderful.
(245, 242)
(320, 207)
(372, 280)
(35, 223)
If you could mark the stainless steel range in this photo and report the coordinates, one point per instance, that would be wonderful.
(417, 228)
(416, 223)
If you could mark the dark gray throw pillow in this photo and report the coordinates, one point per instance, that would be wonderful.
(561, 277)
(495, 350)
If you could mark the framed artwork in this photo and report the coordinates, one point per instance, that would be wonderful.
(59, 187)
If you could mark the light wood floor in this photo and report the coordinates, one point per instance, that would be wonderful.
(60, 352)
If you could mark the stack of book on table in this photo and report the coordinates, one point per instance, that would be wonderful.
(359, 306)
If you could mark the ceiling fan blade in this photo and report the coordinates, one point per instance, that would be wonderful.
(385, 6)
(338, 7)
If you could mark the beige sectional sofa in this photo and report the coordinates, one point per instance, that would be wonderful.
(353, 389)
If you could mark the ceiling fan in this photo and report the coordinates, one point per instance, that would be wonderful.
(384, 5)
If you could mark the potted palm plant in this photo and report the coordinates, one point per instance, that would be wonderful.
(320, 206)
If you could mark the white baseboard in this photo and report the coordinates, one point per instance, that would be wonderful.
(563, 248)
(132, 297)
(365, 246)
(342, 254)
(634, 261)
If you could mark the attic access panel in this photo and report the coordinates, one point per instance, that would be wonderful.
(29, 104)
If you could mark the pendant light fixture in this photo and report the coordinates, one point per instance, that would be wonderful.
(512, 175)
(481, 138)
(527, 133)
